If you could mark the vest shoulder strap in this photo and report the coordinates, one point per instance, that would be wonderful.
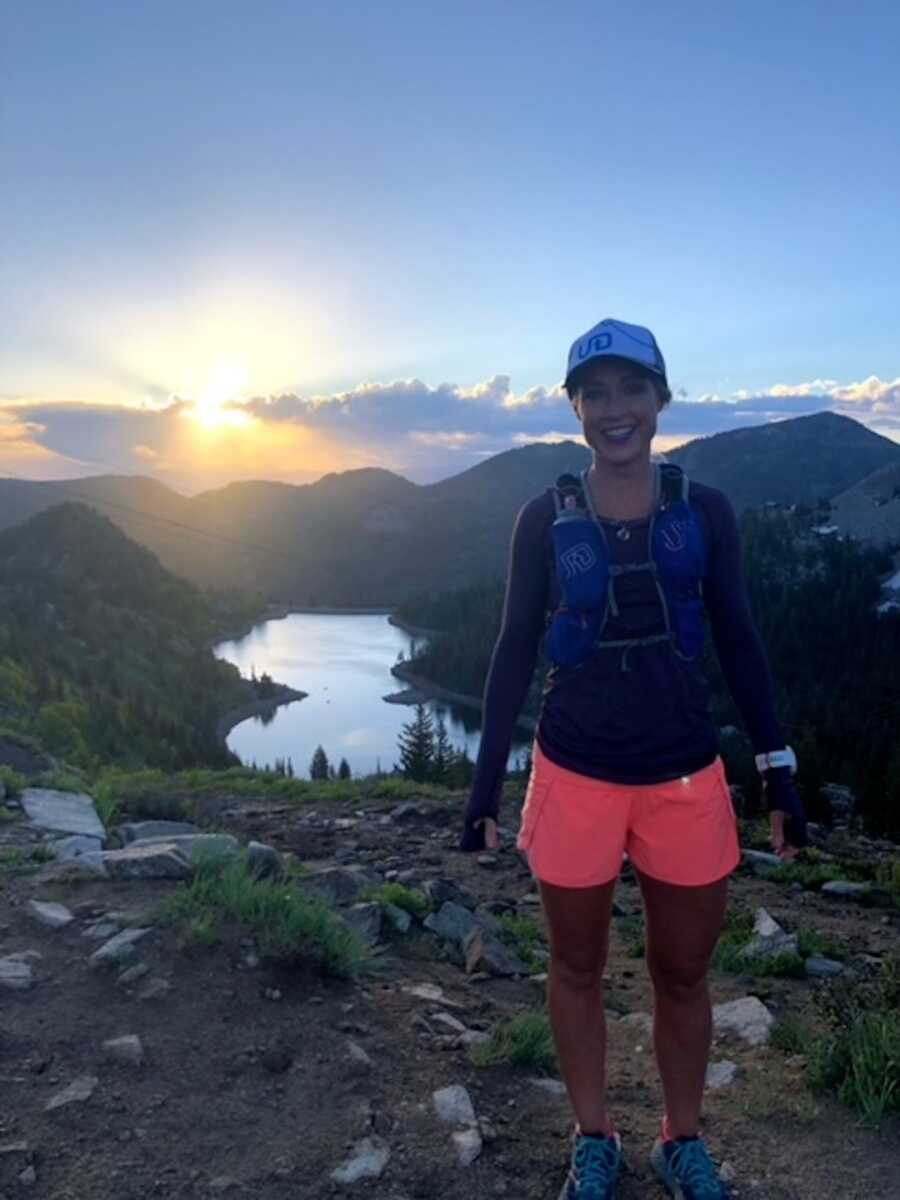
(674, 483)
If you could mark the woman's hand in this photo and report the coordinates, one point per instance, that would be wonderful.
(785, 851)
(491, 836)
(787, 820)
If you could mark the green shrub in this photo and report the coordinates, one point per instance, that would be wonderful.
(525, 935)
(728, 955)
(106, 803)
(522, 1041)
(857, 1055)
(410, 899)
(290, 926)
(13, 781)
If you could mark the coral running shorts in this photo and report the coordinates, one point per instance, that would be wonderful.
(575, 829)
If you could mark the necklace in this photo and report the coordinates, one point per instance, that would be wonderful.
(623, 533)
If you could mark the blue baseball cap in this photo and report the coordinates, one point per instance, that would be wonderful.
(617, 339)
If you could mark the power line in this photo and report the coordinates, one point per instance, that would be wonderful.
(166, 521)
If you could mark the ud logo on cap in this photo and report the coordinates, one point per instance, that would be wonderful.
(617, 339)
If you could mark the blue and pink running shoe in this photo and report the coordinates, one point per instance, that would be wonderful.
(684, 1166)
(596, 1163)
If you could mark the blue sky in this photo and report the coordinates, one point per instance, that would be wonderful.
(272, 218)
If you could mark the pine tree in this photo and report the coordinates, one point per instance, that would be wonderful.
(318, 767)
(416, 745)
(344, 769)
(443, 752)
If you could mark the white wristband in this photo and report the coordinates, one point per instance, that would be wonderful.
(777, 758)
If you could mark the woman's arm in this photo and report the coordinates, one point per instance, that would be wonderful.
(512, 665)
(739, 646)
(745, 666)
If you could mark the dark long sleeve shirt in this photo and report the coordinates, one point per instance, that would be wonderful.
(638, 715)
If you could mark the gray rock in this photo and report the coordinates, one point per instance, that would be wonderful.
(54, 916)
(720, 1074)
(102, 930)
(642, 1022)
(127, 1049)
(484, 952)
(194, 847)
(398, 918)
(154, 989)
(454, 1105)
(88, 865)
(365, 919)
(74, 846)
(473, 1037)
(439, 891)
(132, 975)
(264, 860)
(79, 1090)
(845, 888)
(453, 923)
(343, 885)
(139, 831)
(16, 972)
(118, 949)
(449, 1021)
(555, 1087)
(28, 1177)
(748, 1017)
(64, 812)
(405, 813)
(769, 939)
(468, 1144)
(142, 861)
(358, 1059)
(367, 1161)
(760, 861)
(818, 967)
(432, 993)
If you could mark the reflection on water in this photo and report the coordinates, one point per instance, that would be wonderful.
(344, 663)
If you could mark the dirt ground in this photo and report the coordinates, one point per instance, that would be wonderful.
(249, 1087)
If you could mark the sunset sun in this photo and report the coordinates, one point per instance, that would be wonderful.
(226, 380)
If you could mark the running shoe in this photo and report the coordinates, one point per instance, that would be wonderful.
(684, 1166)
(596, 1163)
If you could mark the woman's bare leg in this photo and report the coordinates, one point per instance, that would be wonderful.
(683, 925)
(578, 925)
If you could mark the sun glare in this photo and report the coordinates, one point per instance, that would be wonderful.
(226, 380)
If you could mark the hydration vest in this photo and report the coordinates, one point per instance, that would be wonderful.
(587, 575)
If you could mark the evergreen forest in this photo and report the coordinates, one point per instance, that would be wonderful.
(835, 660)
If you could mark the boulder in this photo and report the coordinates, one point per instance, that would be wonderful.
(484, 952)
(141, 861)
(367, 1160)
(747, 1016)
(769, 939)
(63, 812)
(54, 916)
(141, 831)
(454, 1105)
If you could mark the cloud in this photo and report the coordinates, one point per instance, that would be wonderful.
(421, 431)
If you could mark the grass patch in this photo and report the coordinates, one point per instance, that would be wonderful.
(106, 803)
(810, 941)
(521, 1041)
(410, 899)
(811, 876)
(887, 875)
(524, 935)
(14, 860)
(12, 780)
(734, 937)
(63, 780)
(6, 814)
(851, 1043)
(289, 925)
(857, 1055)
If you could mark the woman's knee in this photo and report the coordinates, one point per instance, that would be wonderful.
(679, 979)
(579, 972)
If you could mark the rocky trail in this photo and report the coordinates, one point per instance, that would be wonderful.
(140, 1060)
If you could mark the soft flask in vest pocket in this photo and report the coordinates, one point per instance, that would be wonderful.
(679, 551)
(582, 568)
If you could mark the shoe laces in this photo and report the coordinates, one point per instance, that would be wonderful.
(596, 1165)
(691, 1163)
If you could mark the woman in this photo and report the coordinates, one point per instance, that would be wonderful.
(626, 755)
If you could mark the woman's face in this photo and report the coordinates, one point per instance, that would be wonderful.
(615, 397)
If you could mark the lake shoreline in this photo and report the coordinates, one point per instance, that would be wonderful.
(431, 690)
(256, 708)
